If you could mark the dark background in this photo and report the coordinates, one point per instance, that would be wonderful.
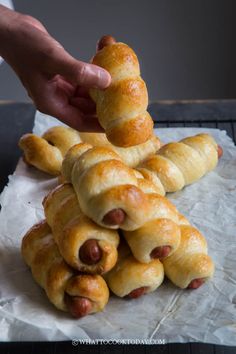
(186, 48)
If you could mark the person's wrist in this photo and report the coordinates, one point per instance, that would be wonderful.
(9, 21)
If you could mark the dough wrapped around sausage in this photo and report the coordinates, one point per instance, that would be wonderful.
(132, 156)
(46, 153)
(132, 279)
(83, 244)
(79, 294)
(159, 237)
(189, 266)
(106, 188)
(122, 107)
(176, 165)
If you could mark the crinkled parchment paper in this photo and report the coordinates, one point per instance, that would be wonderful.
(207, 314)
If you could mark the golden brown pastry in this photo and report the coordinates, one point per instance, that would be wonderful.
(95, 139)
(132, 156)
(83, 244)
(178, 164)
(159, 237)
(46, 153)
(79, 294)
(130, 278)
(106, 188)
(122, 107)
(189, 266)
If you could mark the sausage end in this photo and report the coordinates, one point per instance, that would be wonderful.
(114, 217)
(195, 283)
(160, 252)
(105, 41)
(78, 306)
(219, 151)
(90, 252)
(134, 294)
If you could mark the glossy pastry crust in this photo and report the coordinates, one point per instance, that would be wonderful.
(46, 153)
(72, 229)
(103, 184)
(168, 236)
(57, 279)
(132, 156)
(129, 275)
(161, 230)
(190, 261)
(176, 165)
(122, 107)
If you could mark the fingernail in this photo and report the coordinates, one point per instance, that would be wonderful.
(104, 79)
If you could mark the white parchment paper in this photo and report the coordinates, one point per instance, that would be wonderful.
(169, 314)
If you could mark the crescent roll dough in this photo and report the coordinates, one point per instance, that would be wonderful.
(189, 264)
(122, 107)
(46, 153)
(80, 294)
(106, 188)
(131, 156)
(132, 278)
(178, 164)
(83, 244)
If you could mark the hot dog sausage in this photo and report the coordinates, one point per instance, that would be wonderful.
(160, 252)
(134, 294)
(104, 41)
(78, 306)
(114, 217)
(220, 151)
(90, 252)
(196, 283)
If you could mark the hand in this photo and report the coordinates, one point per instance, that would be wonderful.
(57, 83)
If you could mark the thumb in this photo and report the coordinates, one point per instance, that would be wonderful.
(80, 73)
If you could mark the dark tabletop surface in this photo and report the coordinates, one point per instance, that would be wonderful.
(17, 119)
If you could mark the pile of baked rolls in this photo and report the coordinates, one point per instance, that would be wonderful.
(108, 227)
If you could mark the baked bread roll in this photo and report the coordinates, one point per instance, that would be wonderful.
(132, 279)
(106, 188)
(132, 156)
(189, 266)
(79, 294)
(122, 107)
(46, 153)
(83, 244)
(178, 164)
(159, 237)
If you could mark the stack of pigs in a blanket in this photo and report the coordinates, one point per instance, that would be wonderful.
(108, 228)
